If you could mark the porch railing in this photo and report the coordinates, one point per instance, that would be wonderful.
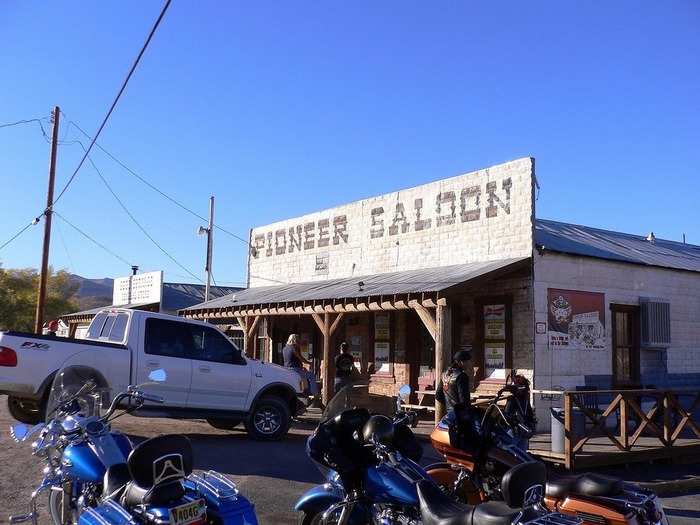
(656, 423)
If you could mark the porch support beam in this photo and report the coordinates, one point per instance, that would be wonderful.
(443, 349)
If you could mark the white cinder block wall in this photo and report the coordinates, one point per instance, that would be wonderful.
(484, 215)
(678, 366)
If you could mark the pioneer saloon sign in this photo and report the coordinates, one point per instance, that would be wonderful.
(483, 215)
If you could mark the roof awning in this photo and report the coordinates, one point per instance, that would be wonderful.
(332, 294)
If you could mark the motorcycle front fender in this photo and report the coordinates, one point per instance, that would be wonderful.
(322, 497)
(319, 498)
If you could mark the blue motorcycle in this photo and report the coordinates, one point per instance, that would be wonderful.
(370, 463)
(94, 476)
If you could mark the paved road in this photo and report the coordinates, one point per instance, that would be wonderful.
(273, 475)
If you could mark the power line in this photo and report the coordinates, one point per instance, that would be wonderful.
(88, 237)
(135, 221)
(19, 122)
(156, 189)
(20, 232)
(114, 102)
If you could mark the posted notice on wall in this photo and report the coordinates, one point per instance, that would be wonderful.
(494, 357)
(381, 326)
(576, 320)
(495, 321)
(381, 357)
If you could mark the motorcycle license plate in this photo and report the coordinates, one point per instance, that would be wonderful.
(189, 513)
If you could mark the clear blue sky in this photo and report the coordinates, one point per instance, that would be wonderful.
(281, 108)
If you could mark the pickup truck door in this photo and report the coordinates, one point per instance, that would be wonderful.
(221, 377)
(166, 345)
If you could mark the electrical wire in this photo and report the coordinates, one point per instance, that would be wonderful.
(91, 239)
(65, 246)
(26, 121)
(114, 103)
(135, 221)
(156, 189)
(20, 232)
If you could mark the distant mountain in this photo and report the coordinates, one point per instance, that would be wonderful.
(93, 293)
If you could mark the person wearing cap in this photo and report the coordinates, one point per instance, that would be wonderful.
(453, 387)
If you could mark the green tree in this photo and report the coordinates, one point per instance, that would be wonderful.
(18, 294)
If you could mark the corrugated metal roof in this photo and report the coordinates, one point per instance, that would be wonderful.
(177, 296)
(411, 281)
(94, 311)
(615, 246)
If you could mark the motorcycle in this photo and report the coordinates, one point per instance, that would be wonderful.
(481, 445)
(370, 463)
(94, 476)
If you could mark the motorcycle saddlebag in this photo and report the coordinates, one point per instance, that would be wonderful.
(109, 512)
(225, 505)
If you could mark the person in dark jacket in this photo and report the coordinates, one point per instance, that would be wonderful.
(344, 364)
(453, 387)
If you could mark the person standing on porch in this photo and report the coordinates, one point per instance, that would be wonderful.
(344, 364)
(293, 359)
(453, 387)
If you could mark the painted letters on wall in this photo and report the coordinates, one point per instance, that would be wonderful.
(479, 216)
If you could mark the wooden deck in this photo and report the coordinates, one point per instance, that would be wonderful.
(599, 451)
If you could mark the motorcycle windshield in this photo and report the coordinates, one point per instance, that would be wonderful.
(77, 389)
(355, 395)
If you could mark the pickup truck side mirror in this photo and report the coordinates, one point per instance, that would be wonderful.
(158, 376)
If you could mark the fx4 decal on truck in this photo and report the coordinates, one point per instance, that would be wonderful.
(32, 344)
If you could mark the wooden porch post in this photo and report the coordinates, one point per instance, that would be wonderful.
(327, 328)
(443, 349)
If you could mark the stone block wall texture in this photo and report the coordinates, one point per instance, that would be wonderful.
(675, 367)
(479, 216)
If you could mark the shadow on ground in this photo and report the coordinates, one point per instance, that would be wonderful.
(238, 455)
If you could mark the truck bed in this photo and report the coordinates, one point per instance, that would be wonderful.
(57, 339)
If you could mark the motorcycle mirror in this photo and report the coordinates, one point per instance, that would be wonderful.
(18, 432)
(21, 432)
(158, 376)
(404, 392)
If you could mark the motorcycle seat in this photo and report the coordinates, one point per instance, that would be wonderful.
(157, 468)
(592, 485)
(135, 495)
(439, 509)
(115, 479)
(494, 513)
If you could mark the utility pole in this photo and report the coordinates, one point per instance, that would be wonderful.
(209, 231)
(39, 321)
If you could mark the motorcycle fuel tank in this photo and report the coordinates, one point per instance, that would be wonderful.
(394, 483)
(87, 462)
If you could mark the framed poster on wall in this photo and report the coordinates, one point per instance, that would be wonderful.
(381, 357)
(382, 331)
(575, 320)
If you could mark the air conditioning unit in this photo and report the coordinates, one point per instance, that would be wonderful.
(655, 322)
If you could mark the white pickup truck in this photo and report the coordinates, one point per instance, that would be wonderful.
(208, 377)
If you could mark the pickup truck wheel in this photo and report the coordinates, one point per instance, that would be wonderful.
(269, 420)
(224, 424)
(24, 411)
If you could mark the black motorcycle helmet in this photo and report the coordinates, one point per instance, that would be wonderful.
(379, 429)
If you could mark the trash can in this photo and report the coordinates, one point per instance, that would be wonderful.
(578, 426)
